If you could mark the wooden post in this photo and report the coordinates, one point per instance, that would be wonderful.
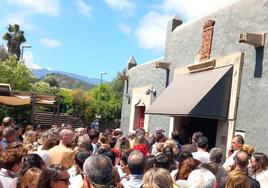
(33, 108)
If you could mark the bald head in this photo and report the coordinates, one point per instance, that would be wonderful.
(136, 162)
(7, 122)
(241, 159)
(66, 137)
(66, 132)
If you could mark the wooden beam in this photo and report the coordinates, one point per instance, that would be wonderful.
(256, 40)
(162, 65)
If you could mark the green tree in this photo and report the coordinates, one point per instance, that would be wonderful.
(14, 37)
(78, 103)
(43, 87)
(118, 85)
(51, 80)
(19, 77)
(106, 102)
(16, 74)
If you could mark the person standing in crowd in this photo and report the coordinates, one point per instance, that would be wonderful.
(10, 161)
(29, 141)
(136, 164)
(157, 177)
(201, 178)
(215, 161)
(259, 165)
(10, 136)
(162, 161)
(236, 145)
(98, 171)
(29, 161)
(8, 122)
(77, 180)
(201, 154)
(159, 138)
(94, 136)
(30, 178)
(192, 147)
(62, 153)
(239, 174)
(54, 176)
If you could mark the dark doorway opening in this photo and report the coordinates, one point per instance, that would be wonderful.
(206, 125)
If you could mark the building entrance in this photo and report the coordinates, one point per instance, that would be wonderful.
(208, 126)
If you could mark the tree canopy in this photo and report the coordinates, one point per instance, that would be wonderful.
(14, 37)
(16, 74)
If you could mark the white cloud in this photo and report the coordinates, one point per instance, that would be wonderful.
(29, 60)
(49, 7)
(192, 8)
(83, 8)
(151, 32)
(21, 18)
(126, 5)
(50, 43)
(124, 28)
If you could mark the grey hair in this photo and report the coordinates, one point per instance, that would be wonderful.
(216, 155)
(9, 131)
(99, 170)
(201, 178)
(83, 139)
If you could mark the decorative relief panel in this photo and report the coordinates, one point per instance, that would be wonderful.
(206, 40)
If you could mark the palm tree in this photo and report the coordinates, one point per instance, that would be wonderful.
(14, 38)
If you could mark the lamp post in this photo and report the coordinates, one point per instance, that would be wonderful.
(22, 49)
(100, 97)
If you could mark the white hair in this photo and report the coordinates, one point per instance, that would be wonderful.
(201, 178)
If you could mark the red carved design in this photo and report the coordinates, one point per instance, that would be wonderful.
(206, 40)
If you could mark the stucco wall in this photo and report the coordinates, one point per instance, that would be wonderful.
(243, 16)
(139, 76)
(184, 43)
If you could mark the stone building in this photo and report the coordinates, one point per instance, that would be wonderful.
(213, 78)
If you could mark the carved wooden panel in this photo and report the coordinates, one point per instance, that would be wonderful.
(206, 40)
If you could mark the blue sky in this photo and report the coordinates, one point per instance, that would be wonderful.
(87, 37)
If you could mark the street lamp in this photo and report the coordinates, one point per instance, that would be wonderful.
(22, 49)
(100, 95)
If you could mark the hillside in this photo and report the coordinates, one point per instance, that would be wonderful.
(39, 73)
(66, 81)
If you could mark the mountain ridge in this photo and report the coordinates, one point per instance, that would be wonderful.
(39, 73)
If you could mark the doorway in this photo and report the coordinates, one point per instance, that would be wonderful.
(208, 126)
(139, 117)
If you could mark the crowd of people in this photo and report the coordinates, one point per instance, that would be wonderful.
(62, 157)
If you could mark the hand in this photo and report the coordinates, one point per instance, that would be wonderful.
(230, 152)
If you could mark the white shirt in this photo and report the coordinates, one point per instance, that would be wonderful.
(202, 156)
(230, 160)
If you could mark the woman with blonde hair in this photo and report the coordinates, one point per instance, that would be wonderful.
(30, 178)
(172, 143)
(157, 178)
(237, 179)
(29, 141)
